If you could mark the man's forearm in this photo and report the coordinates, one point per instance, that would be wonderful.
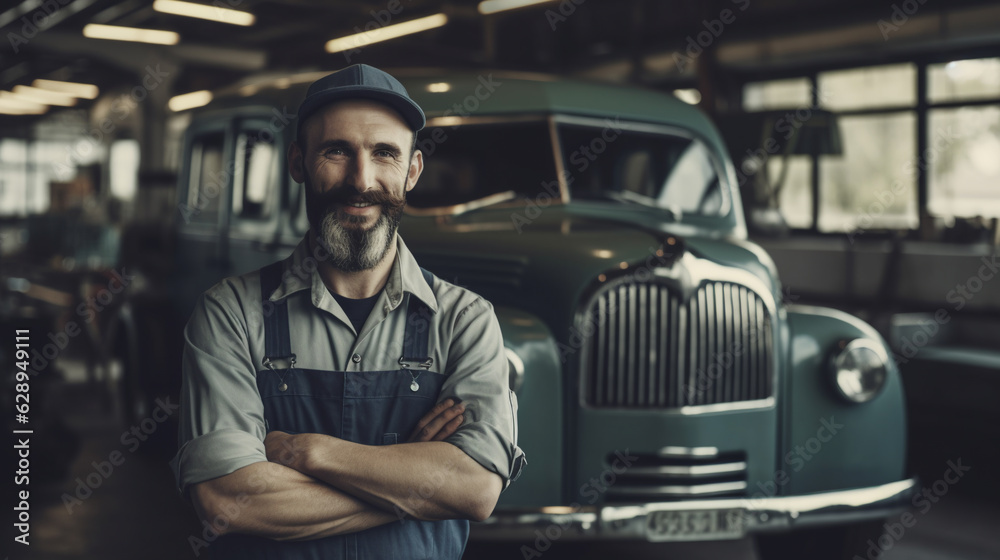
(270, 500)
(427, 480)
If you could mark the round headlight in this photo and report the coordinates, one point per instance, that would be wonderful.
(859, 370)
(515, 368)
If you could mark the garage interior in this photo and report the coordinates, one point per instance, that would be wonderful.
(885, 205)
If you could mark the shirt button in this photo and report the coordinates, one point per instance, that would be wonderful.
(356, 358)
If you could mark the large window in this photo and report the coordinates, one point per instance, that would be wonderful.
(875, 182)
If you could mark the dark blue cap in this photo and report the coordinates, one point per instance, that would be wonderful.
(361, 81)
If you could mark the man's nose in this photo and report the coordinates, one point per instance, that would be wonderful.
(362, 174)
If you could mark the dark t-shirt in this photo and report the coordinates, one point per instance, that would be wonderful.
(357, 310)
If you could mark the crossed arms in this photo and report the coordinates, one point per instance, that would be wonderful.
(314, 485)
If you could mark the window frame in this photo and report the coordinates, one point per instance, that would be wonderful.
(921, 110)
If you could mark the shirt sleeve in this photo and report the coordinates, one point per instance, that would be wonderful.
(477, 373)
(222, 418)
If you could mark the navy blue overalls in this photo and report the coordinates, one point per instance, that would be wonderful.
(371, 408)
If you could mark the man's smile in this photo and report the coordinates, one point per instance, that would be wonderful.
(359, 208)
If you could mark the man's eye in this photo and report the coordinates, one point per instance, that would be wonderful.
(385, 154)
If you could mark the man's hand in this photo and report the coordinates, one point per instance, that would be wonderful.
(442, 421)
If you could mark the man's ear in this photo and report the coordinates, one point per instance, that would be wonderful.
(416, 168)
(296, 165)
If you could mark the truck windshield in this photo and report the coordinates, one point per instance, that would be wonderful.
(660, 170)
(472, 161)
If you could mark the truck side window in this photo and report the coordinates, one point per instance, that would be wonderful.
(255, 175)
(207, 179)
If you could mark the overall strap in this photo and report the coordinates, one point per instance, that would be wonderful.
(418, 326)
(277, 339)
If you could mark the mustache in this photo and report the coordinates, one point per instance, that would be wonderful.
(350, 195)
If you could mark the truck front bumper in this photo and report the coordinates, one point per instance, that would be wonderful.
(709, 519)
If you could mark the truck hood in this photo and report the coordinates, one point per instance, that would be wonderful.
(545, 260)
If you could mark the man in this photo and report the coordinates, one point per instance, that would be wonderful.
(297, 384)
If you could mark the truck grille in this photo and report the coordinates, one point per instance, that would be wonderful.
(644, 347)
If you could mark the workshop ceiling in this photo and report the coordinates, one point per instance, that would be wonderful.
(624, 40)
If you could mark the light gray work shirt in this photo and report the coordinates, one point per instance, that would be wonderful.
(222, 424)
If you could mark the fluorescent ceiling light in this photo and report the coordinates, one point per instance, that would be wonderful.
(44, 96)
(134, 34)
(15, 110)
(204, 11)
(191, 100)
(11, 102)
(494, 6)
(83, 91)
(363, 39)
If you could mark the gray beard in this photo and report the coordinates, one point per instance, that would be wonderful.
(354, 250)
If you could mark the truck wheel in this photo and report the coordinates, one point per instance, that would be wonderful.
(838, 542)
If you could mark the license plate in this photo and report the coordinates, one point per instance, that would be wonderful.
(696, 525)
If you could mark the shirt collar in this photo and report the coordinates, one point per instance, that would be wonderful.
(300, 273)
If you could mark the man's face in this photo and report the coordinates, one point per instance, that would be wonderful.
(356, 166)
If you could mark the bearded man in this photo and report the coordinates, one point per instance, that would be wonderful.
(360, 410)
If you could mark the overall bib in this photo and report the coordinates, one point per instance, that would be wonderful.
(371, 408)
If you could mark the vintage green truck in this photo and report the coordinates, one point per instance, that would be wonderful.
(667, 392)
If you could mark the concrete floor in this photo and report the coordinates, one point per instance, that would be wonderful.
(135, 512)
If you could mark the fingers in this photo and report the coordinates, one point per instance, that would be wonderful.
(438, 409)
(435, 421)
(449, 428)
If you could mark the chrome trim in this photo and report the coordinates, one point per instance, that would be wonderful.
(460, 121)
(776, 513)
(758, 404)
(675, 490)
(692, 471)
(557, 154)
(686, 275)
(678, 451)
(455, 209)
